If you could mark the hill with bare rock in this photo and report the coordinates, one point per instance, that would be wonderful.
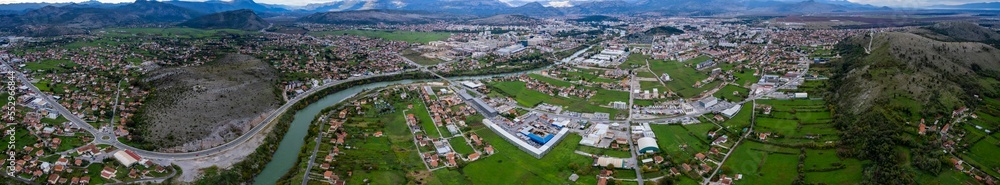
(214, 103)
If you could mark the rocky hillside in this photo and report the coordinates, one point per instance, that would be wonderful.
(215, 102)
(244, 19)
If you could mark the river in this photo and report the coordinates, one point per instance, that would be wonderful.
(288, 150)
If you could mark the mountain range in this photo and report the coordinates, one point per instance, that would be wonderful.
(41, 19)
(487, 7)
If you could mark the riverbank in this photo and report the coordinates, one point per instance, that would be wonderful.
(252, 164)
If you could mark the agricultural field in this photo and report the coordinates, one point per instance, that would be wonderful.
(797, 121)
(406, 36)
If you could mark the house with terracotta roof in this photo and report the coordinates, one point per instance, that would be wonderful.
(489, 150)
(62, 161)
(451, 159)
(475, 139)
(132, 173)
(958, 164)
(328, 175)
(473, 156)
(108, 172)
(55, 142)
(59, 168)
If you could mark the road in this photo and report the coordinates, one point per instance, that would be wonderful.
(628, 121)
(312, 157)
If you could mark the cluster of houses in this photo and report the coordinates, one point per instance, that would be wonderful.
(62, 169)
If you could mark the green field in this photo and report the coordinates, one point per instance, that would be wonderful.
(727, 93)
(634, 61)
(763, 164)
(798, 119)
(742, 118)
(510, 165)
(601, 151)
(50, 65)
(460, 146)
(650, 85)
(671, 137)
(420, 111)
(588, 75)
(745, 78)
(682, 78)
(407, 36)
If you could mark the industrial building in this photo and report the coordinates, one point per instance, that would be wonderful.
(648, 145)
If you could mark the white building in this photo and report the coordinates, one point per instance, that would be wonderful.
(127, 157)
(619, 105)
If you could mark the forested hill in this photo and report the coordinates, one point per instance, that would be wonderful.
(905, 78)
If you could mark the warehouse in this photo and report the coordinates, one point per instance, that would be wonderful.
(648, 145)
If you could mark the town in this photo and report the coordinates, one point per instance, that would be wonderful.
(623, 100)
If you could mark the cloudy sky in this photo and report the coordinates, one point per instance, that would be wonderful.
(891, 3)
